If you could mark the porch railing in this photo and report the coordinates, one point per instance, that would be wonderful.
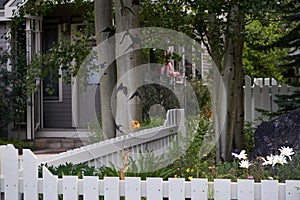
(157, 140)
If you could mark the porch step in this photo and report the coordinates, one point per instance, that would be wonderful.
(56, 145)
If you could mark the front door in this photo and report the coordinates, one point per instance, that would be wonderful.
(57, 105)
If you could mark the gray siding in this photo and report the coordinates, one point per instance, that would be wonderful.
(3, 42)
(59, 114)
(2, 3)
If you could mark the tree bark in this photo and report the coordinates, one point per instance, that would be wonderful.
(128, 109)
(103, 21)
(231, 70)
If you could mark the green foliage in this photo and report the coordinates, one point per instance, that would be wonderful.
(290, 171)
(290, 39)
(18, 144)
(288, 102)
(263, 63)
(80, 170)
(191, 149)
(248, 136)
(5, 99)
(166, 14)
(203, 97)
(13, 100)
(96, 131)
(149, 165)
(152, 122)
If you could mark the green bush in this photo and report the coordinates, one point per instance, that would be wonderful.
(18, 144)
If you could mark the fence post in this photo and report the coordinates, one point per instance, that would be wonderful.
(248, 99)
(180, 121)
(50, 185)
(256, 100)
(274, 92)
(10, 171)
(2, 147)
(30, 175)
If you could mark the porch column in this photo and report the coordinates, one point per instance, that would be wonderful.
(30, 99)
(33, 48)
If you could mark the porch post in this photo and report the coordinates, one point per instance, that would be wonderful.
(30, 99)
(33, 47)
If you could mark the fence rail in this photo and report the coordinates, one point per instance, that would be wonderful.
(13, 185)
(157, 139)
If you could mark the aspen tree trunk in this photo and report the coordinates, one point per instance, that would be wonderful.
(231, 70)
(128, 109)
(103, 27)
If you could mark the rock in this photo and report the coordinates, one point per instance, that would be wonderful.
(282, 131)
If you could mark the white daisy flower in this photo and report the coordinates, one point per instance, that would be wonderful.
(287, 151)
(241, 156)
(280, 159)
(269, 160)
(244, 164)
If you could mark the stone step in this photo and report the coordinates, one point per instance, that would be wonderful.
(58, 144)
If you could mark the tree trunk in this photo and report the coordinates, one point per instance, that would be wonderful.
(231, 70)
(128, 109)
(103, 21)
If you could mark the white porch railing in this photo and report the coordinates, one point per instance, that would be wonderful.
(13, 186)
(158, 140)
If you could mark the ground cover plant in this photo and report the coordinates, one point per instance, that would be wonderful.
(284, 165)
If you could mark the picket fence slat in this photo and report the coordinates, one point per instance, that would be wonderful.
(222, 189)
(256, 101)
(262, 94)
(269, 189)
(50, 185)
(70, 188)
(90, 187)
(292, 191)
(266, 103)
(176, 188)
(248, 99)
(283, 89)
(245, 189)
(111, 188)
(154, 188)
(199, 189)
(133, 188)
(274, 92)
(30, 174)
(10, 171)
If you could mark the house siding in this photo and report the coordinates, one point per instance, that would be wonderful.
(59, 114)
(3, 42)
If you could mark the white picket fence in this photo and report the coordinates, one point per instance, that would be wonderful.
(260, 93)
(158, 140)
(15, 185)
